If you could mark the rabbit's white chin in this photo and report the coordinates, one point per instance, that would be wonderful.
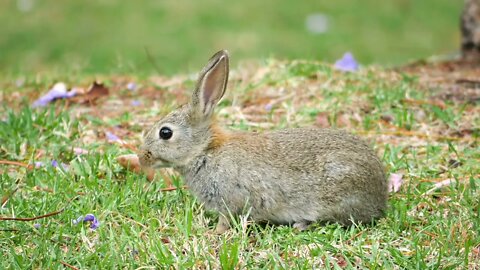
(161, 164)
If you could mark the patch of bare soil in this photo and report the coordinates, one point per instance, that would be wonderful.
(455, 80)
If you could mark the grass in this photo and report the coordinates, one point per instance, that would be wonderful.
(172, 36)
(142, 226)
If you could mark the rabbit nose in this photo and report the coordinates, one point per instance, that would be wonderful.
(145, 157)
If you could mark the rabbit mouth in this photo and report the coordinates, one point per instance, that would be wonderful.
(161, 163)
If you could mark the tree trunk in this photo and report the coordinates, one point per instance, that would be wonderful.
(471, 31)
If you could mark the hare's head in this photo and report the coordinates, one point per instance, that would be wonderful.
(186, 132)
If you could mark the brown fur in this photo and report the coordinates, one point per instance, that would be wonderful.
(219, 136)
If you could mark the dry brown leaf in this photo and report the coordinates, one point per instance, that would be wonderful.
(131, 163)
(94, 92)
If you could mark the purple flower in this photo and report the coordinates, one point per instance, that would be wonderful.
(132, 86)
(55, 165)
(38, 164)
(37, 225)
(94, 223)
(89, 217)
(59, 90)
(136, 103)
(79, 151)
(347, 63)
(268, 107)
(111, 137)
(395, 182)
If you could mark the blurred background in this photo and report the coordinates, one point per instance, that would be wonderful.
(169, 36)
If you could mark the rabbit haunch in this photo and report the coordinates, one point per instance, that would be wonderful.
(290, 176)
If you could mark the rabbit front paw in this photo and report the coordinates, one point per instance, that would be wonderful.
(223, 225)
(301, 225)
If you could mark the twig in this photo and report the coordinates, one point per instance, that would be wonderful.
(68, 265)
(37, 188)
(423, 102)
(172, 188)
(38, 217)
(7, 197)
(16, 163)
(33, 218)
(445, 183)
(9, 230)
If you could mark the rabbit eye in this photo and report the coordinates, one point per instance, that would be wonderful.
(166, 133)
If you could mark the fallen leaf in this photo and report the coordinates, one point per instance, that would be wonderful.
(341, 262)
(387, 118)
(94, 92)
(132, 163)
(395, 182)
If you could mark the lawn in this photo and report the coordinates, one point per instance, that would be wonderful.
(174, 36)
(419, 129)
(58, 163)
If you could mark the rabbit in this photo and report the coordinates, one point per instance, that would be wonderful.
(291, 176)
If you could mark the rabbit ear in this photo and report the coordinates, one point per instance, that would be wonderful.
(211, 85)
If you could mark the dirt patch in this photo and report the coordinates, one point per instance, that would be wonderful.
(455, 80)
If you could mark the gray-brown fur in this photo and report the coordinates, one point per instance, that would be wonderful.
(291, 176)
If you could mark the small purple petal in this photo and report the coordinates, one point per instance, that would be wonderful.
(59, 90)
(37, 225)
(95, 224)
(136, 103)
(268, 107)
(347, 63)
(395, 182)
(39, 164)
(89, 217)
(79, 151)
(55, 163)
(111, 137)
(132, 86)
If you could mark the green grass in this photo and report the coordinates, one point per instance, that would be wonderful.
(141, 226)
(172, 36)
